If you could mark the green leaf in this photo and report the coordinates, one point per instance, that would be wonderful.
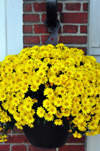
(38, 121)
(44, 122)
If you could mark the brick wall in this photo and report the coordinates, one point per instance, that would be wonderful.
(73, 16)
(17, 141)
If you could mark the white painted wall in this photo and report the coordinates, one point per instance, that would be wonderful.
(93, 142)
(3, 44)
(14, 26)
(11, 31)
(94, 29)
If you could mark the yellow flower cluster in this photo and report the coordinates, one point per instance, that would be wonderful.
(68, 81)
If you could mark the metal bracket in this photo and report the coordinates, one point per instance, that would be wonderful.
(51, 14)
(53, 37)
(52, 22)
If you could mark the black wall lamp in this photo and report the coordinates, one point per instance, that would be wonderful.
(52, 22)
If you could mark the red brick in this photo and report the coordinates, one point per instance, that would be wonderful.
(4, 148)
(39, 7)
(32, 148)
(85, 52)
(31, 40)
(27, 7)
(40, 29)
(70, 29)
(73, 6)
(17, 139)
(73, 39)
(72, 148)
(59, 7)
(83, 29)
(19, 148)
(16, 130)
(27, 29)
(74, 17)
(44, 16)
(42, 7)
(76, 140)
(31, 18)
(26, 46)
(85, 6)
(59, 31)
(44, 38)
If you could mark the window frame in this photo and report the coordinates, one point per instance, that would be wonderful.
(11, 27)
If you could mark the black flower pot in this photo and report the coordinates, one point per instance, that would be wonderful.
(47, 136)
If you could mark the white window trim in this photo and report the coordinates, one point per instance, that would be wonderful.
(94, 29)
(11, 30)
(3, 44)
(93, 142)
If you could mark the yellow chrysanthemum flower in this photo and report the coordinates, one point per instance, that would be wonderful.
(85, 101)
(52, 109)
(78, 75)
(49, 117)
(48, 91)
(18, 125)
(40, 112)
(58, 122)
(17, 116)
(87, 117)
(24, 88)
(20, 95)
(86, 109)
(2, 96)
(12, 109)
(74, 112)
(67, 103)
(46, 103)
(79, 117)
(95, 118)
(82, 126)
(21, 108)
(29, 100)
(58, 102)
(59, 114)
(52, 98)
(90, 91)
(77, 135)
(88, 65)
(92, 125)
(66, 113)
(73, 93)
(30, 119)
(15, 101)
(27, 106)
(34, 87)
(69, 83)
(92, 101)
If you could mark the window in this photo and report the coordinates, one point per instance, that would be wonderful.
(11, 34)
